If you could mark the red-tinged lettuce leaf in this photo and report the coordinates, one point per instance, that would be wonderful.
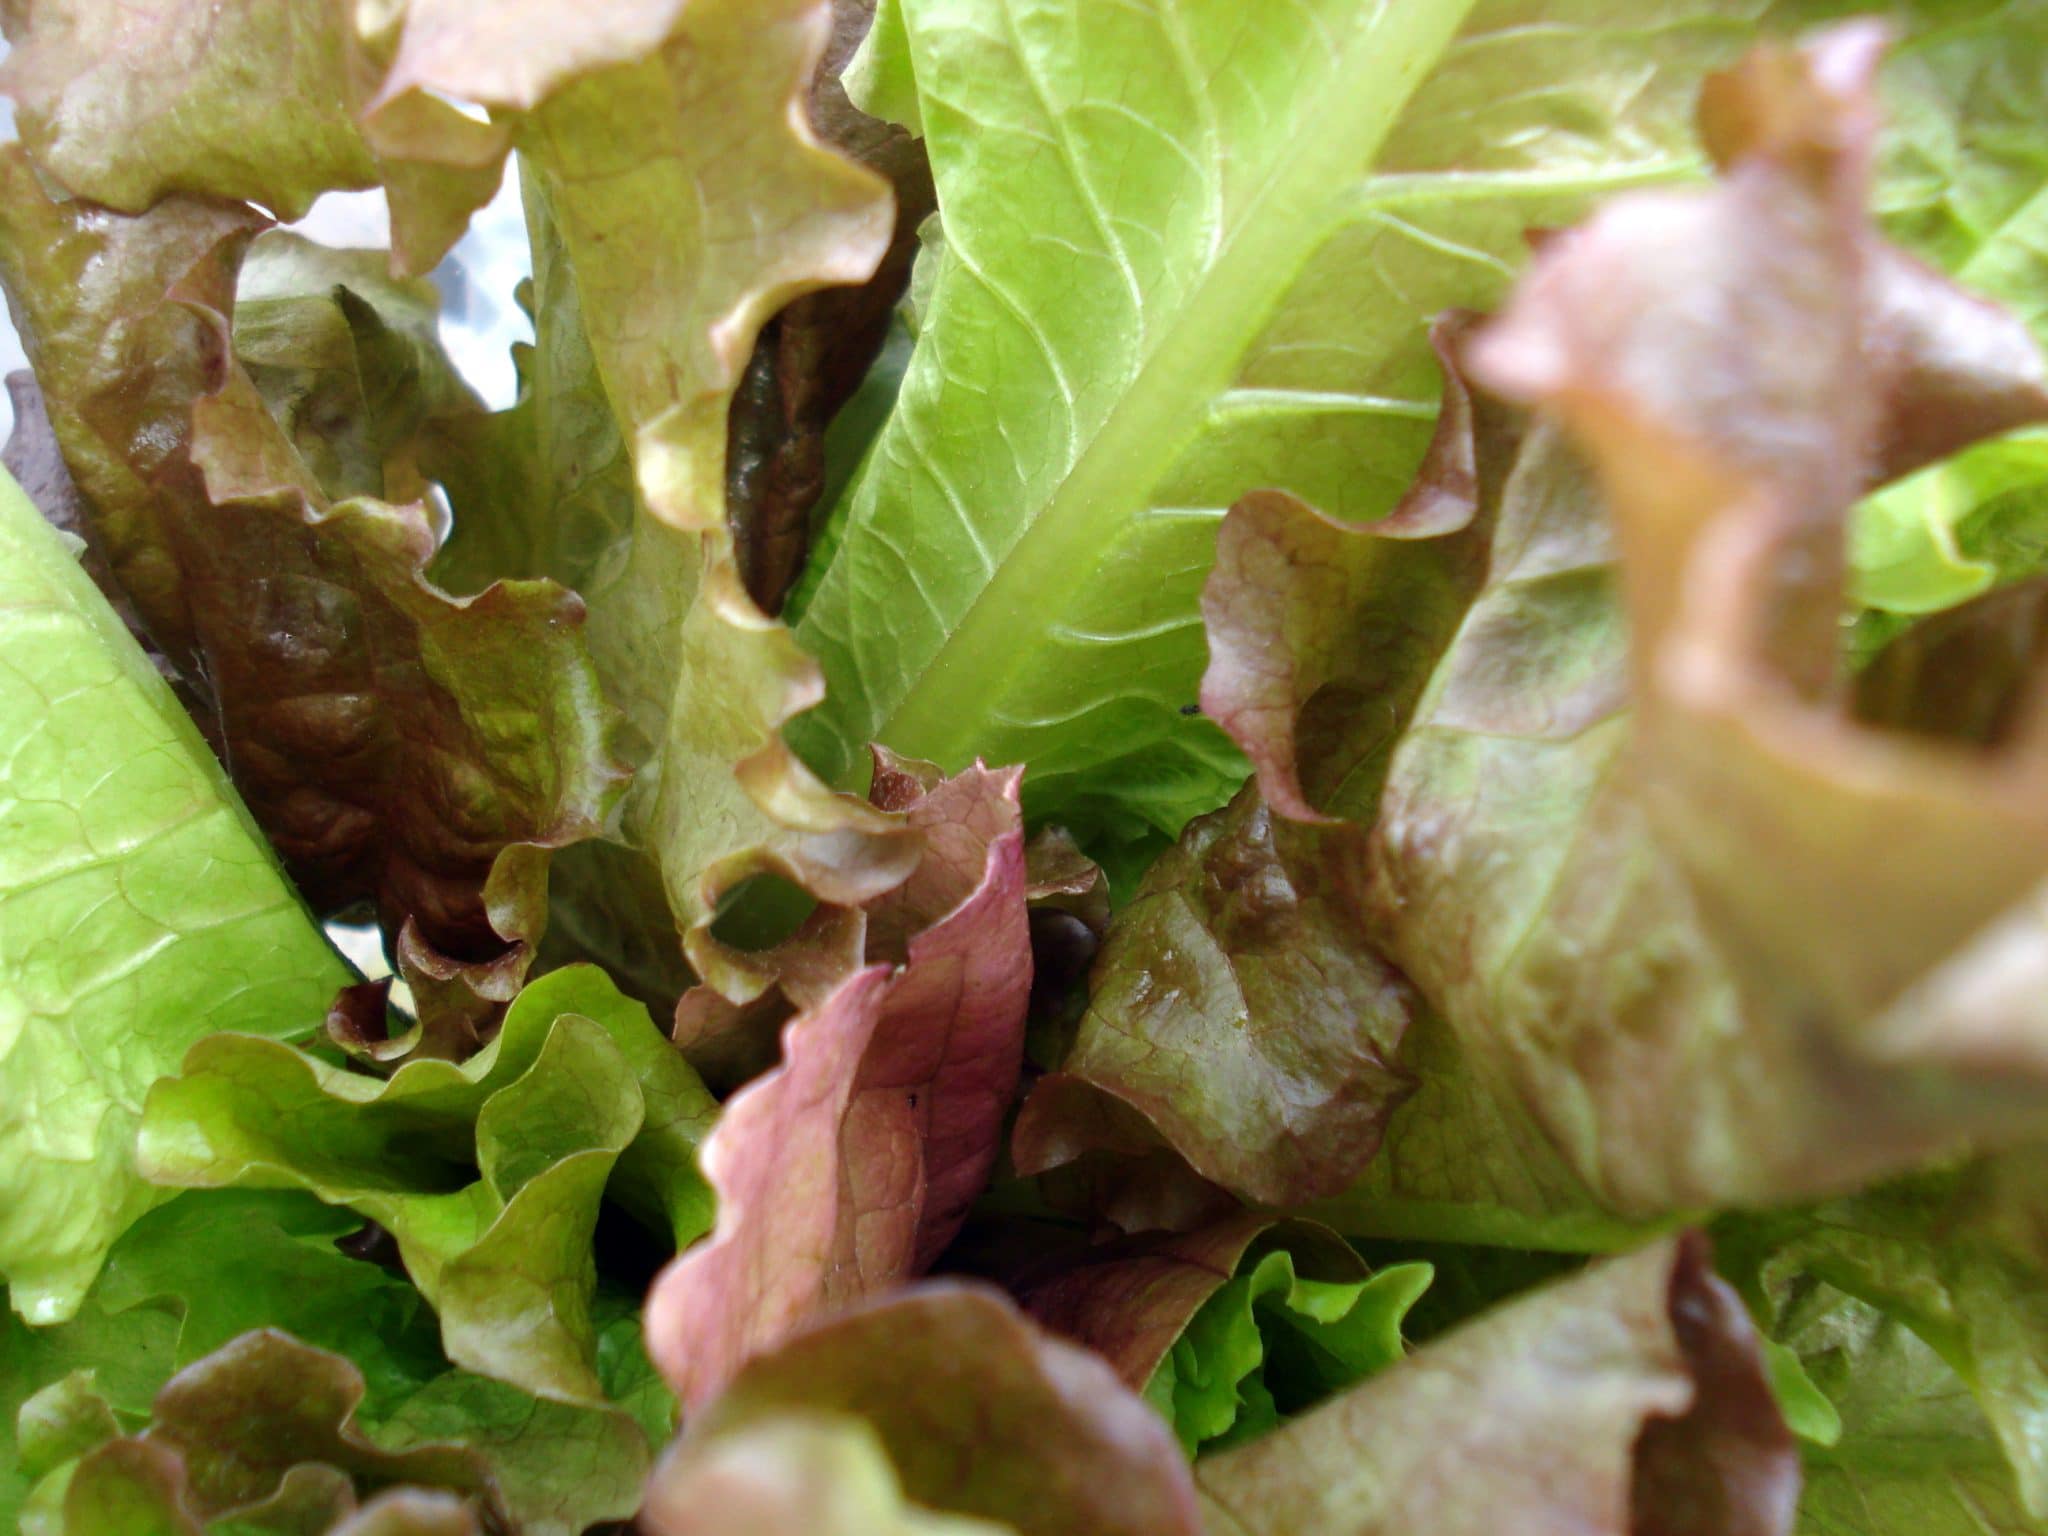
(1733, 897)
(956, 821)
(846, 1169)
(1853, 364)
(126, 107)
(1628, 1399)
(262, 1435)
(1227, 1329)
(799, 1474)
(265, 1436)
(1234, 1007)
(489, 1173)
(1098, 1160)
(396, 743)
(980, 1412)
(1239, 1004)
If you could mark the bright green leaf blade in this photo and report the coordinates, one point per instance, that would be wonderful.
(140, 909)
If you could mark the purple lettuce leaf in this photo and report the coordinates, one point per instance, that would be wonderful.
(847, 1168)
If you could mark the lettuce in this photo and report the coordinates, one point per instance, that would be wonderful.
(1185, 768)
(111, 961)
(488, 1174)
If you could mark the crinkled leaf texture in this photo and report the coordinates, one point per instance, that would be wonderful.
(1228, 1328)
(1240, 222)
(168, 1299)
(677, 202)
(847, 1168)
(489, 1173)
(1955, 1256)
(396, 743)
(980, 1412)
(1629, 1398)
(1913, 1456)
(140, 909)
(126, 107)
(1960, 172)
(259, 1434)
(750, 214)
(1236, 1005)
(1630, 843)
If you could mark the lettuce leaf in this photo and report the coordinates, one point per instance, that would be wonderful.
(260, 1433)
(1910, 1449)
(1236, 1005)
(165, 1302)
(800, 1474)
(1226, 1329)
(755, 214)
(488, 1173)
(847, 1168)
(1241, 225)
(981, 1414)
(112, 959)
(1632, 847)
(126, 108)
(397, 744)
(1955, 1256)
(1625, 1398)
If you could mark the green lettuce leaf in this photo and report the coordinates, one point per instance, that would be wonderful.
(1631, 1397)
(166, 1300)
(349, 362)
(1959, 181)
(113, 957)
(1952, 531)
(1228, 1328)
(489, 1173)
(1241, 224)
(1911, 1450)
(742, 213)
(980, 1412)
(1957, 1257)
